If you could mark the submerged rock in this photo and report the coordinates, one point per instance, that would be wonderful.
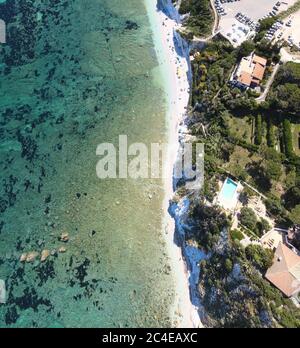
(40, 242)
(64, 237)
(23, 257)
(45, 255)
(62, 250)
(31, 256)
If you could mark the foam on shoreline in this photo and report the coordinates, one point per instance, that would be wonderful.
(173, 56)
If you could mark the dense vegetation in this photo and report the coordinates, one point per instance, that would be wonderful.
(254, 142)
(220, 108)
(211, 68)
(232, 289)
(208, 223)
(235, 295)
(200, 18)
(285, 95)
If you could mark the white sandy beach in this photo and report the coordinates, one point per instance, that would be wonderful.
(175, 71)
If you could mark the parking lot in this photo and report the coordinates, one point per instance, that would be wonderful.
(239, 18)
(288, 30)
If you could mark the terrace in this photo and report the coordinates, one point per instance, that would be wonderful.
(272, 239)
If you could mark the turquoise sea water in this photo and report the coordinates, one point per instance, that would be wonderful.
(74, 74)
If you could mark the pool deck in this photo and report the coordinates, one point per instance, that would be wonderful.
(229, 204)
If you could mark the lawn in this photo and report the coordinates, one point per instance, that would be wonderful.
(241, 128)
(296, 138)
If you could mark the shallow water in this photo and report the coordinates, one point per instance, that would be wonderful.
(75, 74)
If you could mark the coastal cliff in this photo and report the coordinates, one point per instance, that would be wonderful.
(169, 7)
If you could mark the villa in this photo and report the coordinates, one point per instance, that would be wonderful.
(285, 271)
(250, 72)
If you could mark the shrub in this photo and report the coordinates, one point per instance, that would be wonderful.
(236, 235)
(208, 222)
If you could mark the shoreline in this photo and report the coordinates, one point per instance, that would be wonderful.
(175, 69)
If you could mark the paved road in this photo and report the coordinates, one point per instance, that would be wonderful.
(216, 21)
(285, 57)
(262, 98)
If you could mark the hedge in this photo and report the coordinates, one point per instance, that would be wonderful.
(258, 131)
(270, 135)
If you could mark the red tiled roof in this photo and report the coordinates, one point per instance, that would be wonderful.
(285, 271)
(258, 71)
(256, 76)
(260, 60)
(245, 78)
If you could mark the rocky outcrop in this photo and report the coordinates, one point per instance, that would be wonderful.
(191, 253)
(169, 9)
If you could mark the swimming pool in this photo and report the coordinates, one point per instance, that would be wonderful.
(228, 190)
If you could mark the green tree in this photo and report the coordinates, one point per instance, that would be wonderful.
(262, 227)
(228, 265)
(289, 73)
(292, 197)
(274, 206)
(295, 215)
(248, 218)
(262, 258)
(272, 170)
(246, 48)
(266, 23)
